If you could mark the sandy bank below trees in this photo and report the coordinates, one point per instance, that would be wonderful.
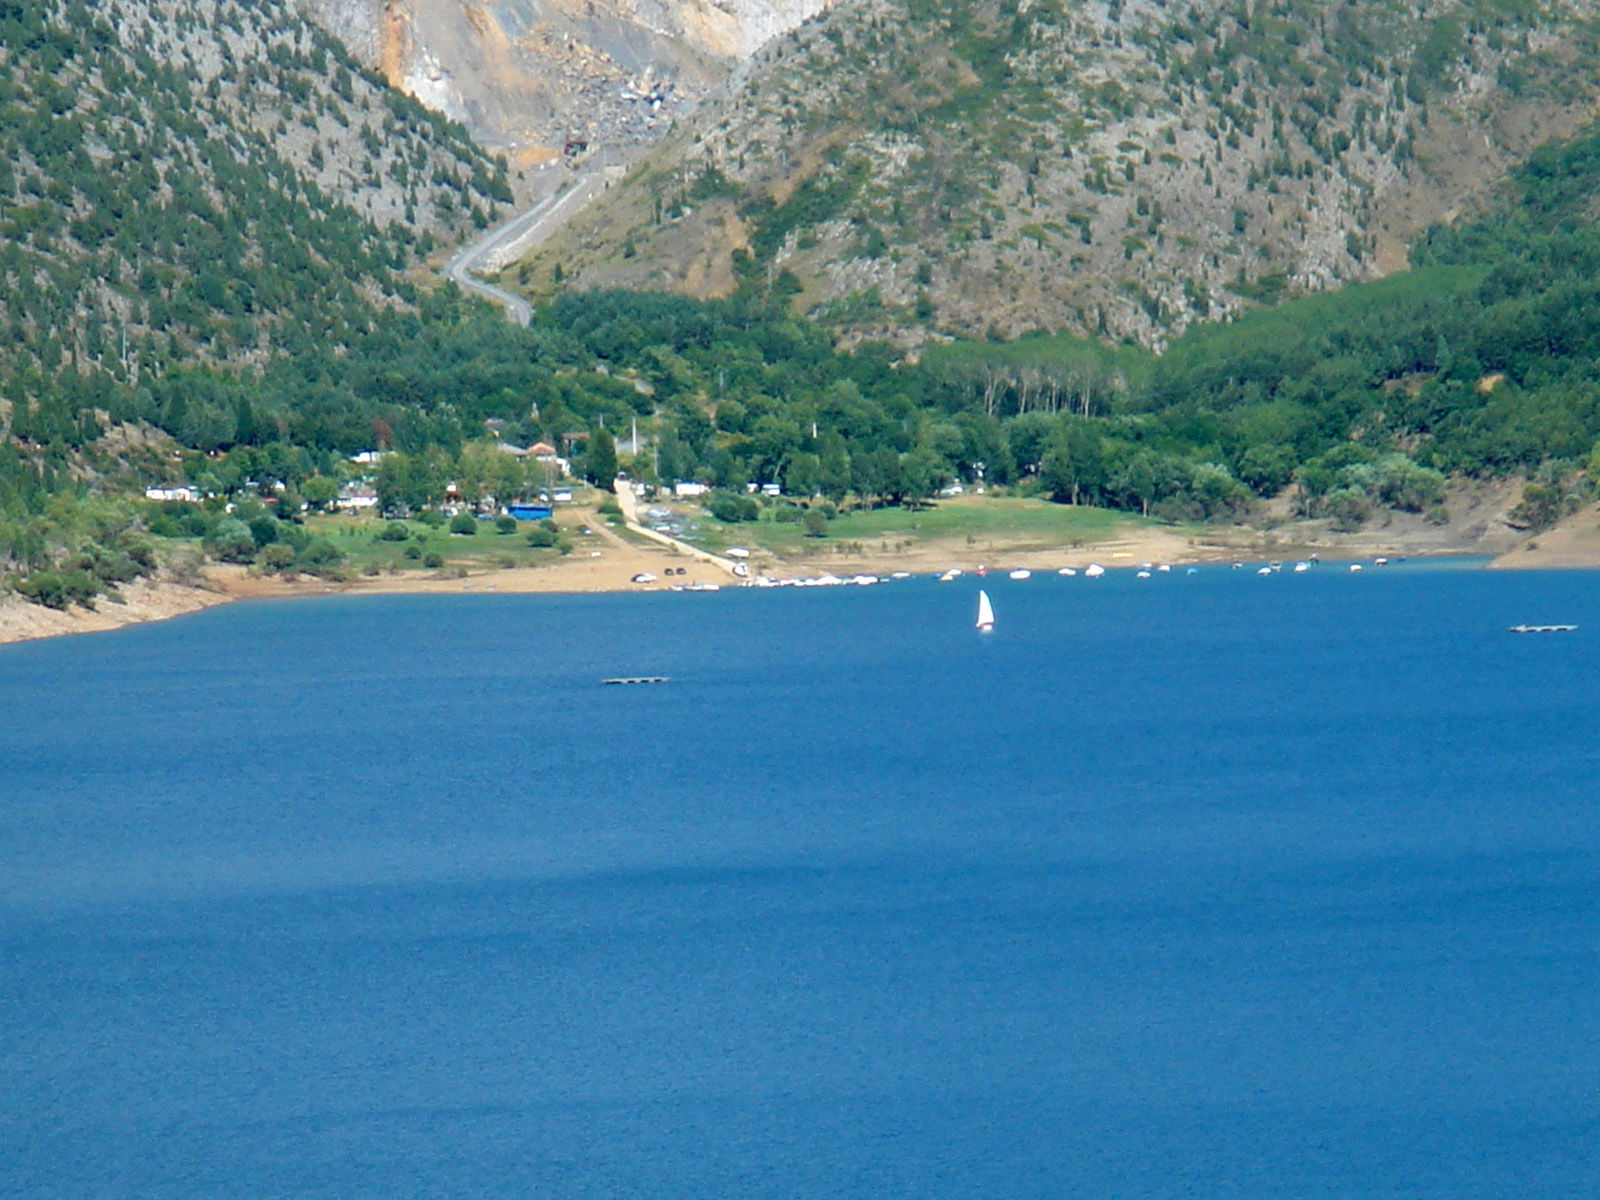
(140, 601)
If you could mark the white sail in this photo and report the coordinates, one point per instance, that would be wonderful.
(985, 612)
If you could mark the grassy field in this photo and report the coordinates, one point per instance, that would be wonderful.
(366, 553)
(980, 522)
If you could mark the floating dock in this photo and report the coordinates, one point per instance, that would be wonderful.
(638, 679)
(1542, 628)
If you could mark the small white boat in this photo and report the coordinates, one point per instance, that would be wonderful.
(1355, 566)
(1021, 573)
(901, 575)
(1141, 575)
(1067, 571)
(1264, 571)
(1380, 562)
(952, 573)
(985, 612)
(1301, 566)
(1094, 571)
(1164, 567)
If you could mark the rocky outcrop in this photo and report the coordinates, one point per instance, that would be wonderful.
(546, 78)
(1121, 169)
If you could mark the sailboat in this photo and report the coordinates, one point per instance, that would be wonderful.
(985, 612)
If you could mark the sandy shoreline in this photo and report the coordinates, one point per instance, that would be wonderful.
(610, 563)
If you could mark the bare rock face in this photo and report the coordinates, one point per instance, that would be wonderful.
(540, 78)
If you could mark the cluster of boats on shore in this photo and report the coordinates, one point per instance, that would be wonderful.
(1091, 571)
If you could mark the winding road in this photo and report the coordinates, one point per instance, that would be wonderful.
(516, 237)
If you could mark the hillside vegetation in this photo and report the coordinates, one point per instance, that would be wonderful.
(1114, 168)
(1480, 361)
(178, 180)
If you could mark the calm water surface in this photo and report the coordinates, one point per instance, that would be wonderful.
(1206, 886)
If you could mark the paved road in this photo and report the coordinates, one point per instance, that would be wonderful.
(629, 504)
(516, 237)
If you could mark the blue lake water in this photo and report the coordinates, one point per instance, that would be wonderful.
(1203, 886)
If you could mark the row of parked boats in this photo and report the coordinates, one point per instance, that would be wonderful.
(1146, 570)
(766, 581)
(1092, 571)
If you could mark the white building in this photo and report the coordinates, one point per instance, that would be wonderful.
(357, 497)
(173, 491)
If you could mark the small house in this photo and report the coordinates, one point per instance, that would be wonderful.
(357, 497)
(173, 491)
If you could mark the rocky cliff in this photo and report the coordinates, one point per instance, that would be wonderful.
(543, 77)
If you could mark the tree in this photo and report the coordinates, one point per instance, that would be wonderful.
(600, 461)
(319, 492)
(277, 556)
(1405, 485)
(1267, 469)
(922, 473)
(230, 540)
(833, 478)
(816, 523)
(464, 523)
(1217, 491)
(802, 475)
(1074, 464)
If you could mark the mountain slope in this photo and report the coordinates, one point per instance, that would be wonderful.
(1121, 169)
(174, 183)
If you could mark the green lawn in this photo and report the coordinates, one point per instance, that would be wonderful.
(363, 549)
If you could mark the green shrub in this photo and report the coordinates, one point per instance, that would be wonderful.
(394, 531)
(505, 524)
(433, 560)
(464, 523)
(317, 553)
(277, 556)
(231, 541)
(732, 508)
